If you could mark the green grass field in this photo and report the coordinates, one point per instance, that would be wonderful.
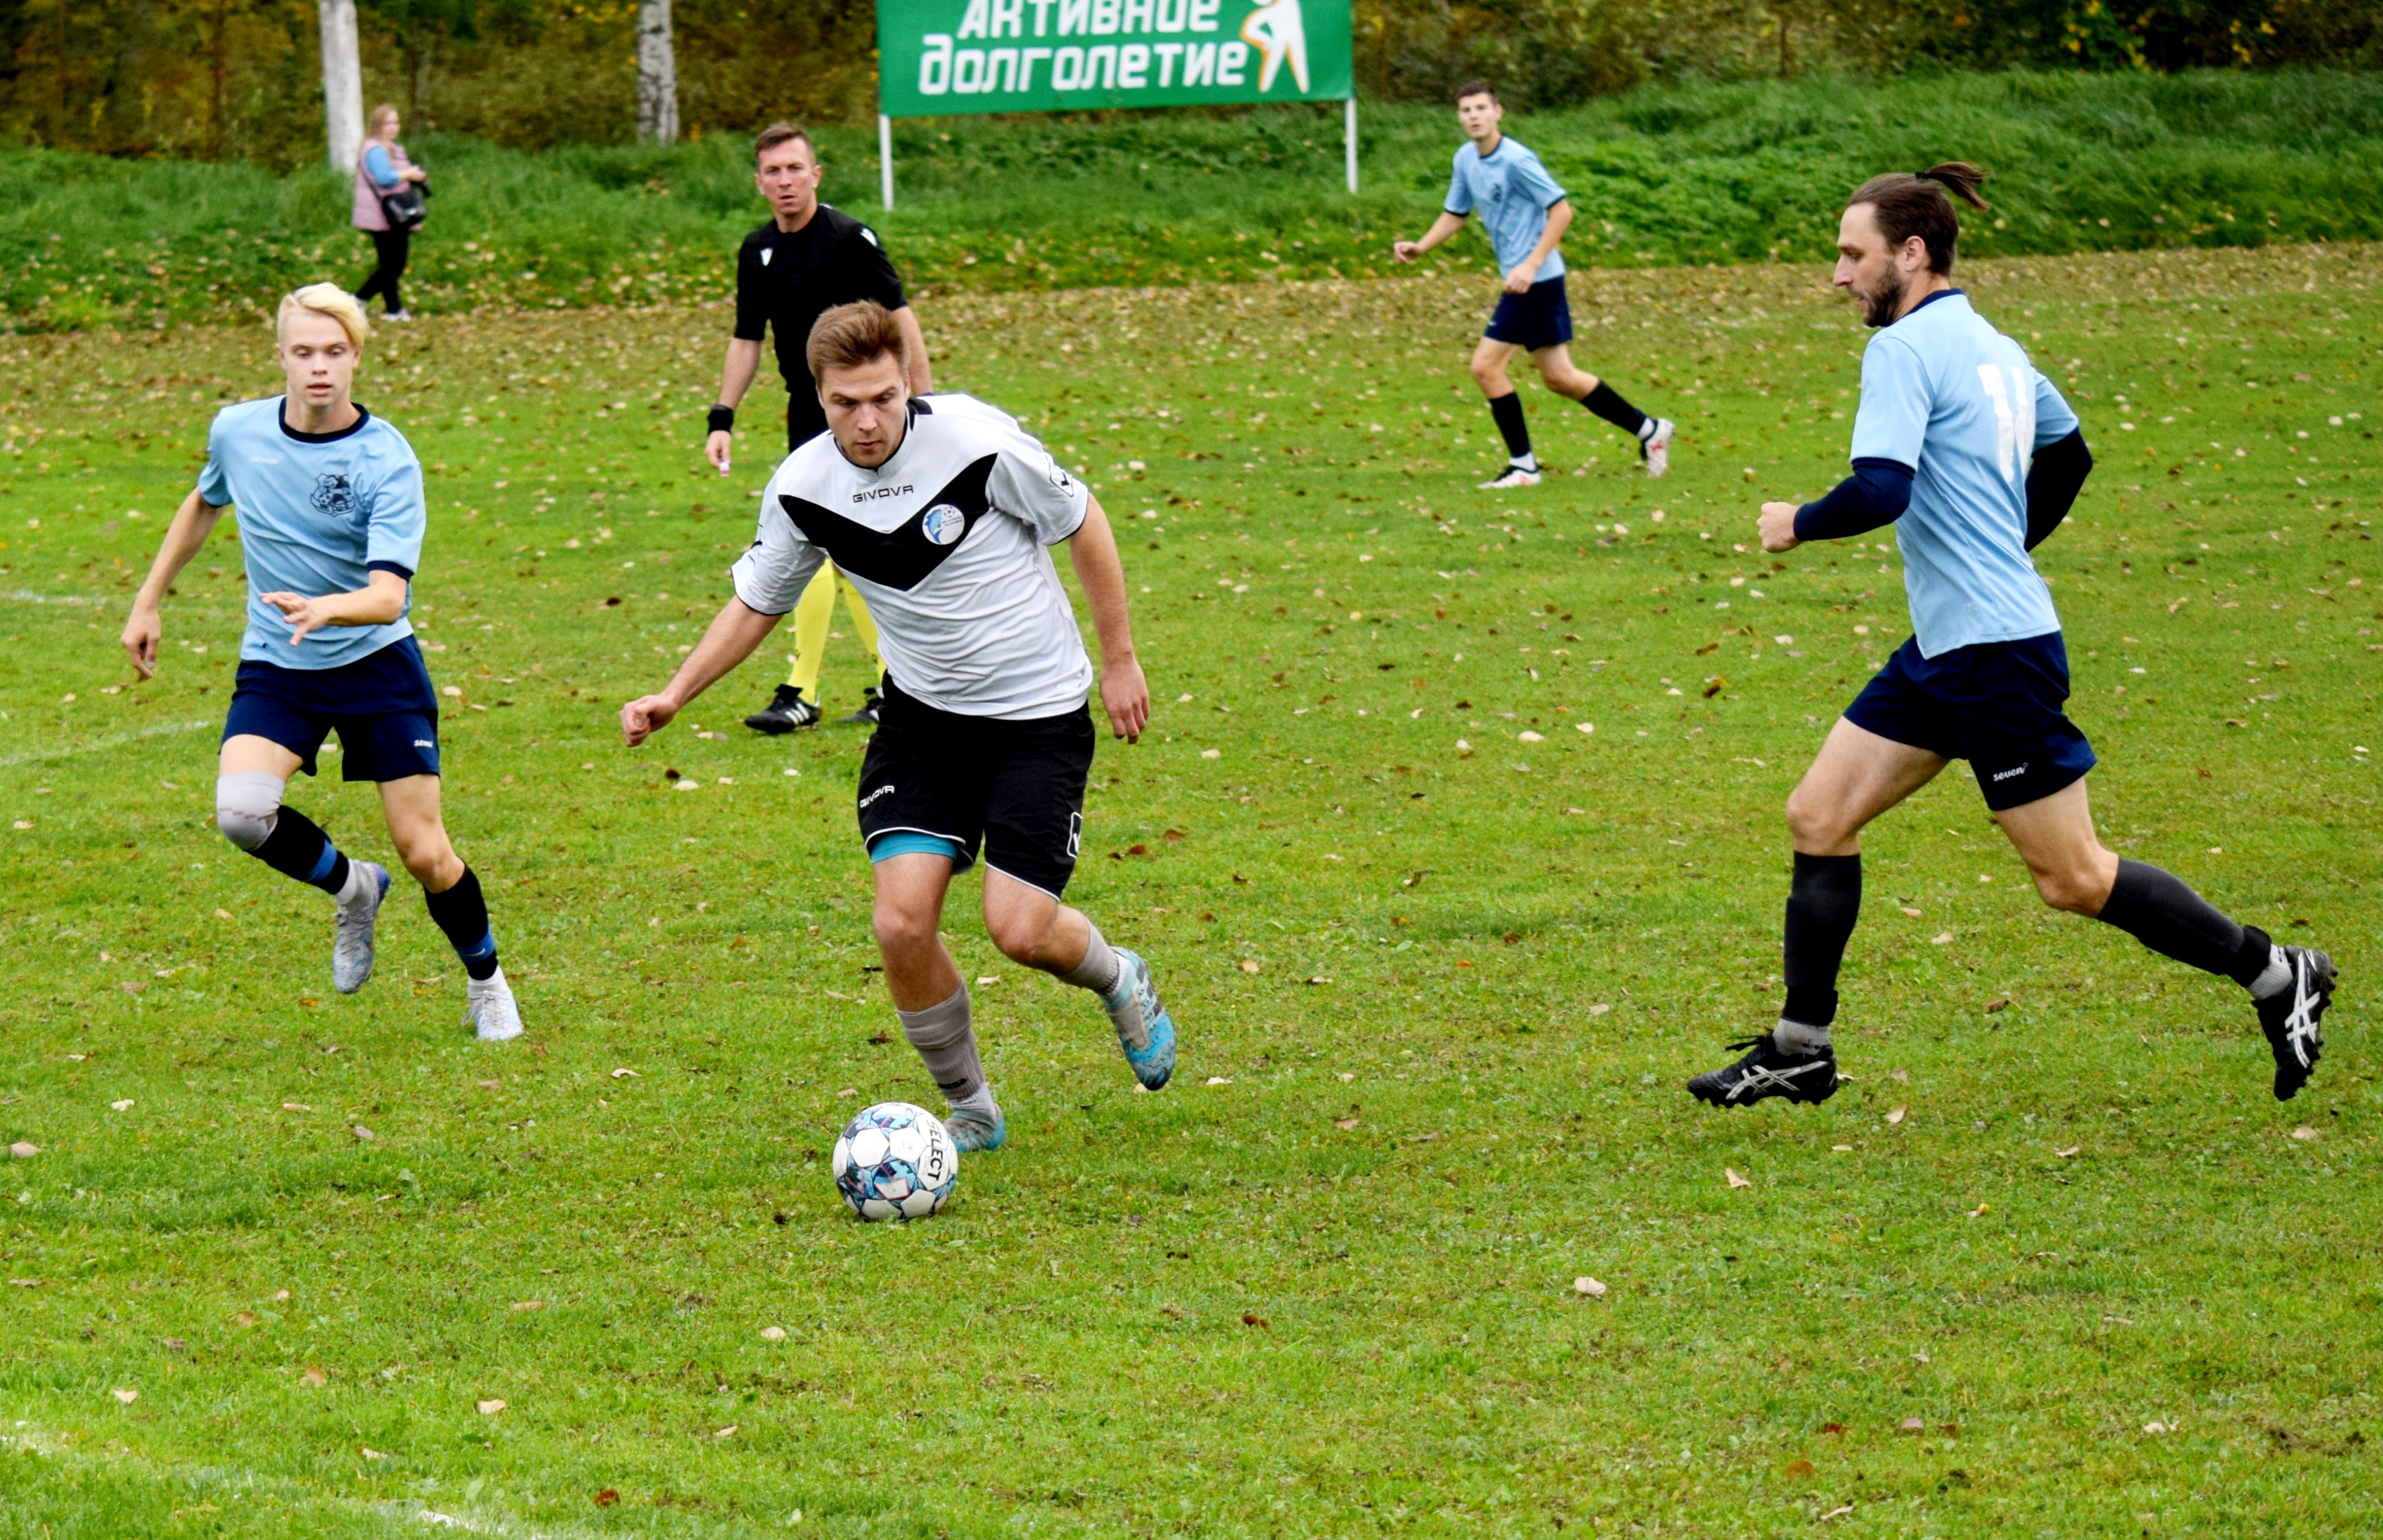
(1441, 957)
(1661, 176)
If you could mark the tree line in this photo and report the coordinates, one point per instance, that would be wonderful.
(242, 78)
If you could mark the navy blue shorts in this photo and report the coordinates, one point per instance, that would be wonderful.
(1996, 705)
(1537, 317)
(382, 706)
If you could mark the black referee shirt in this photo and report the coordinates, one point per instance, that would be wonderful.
(784, 282)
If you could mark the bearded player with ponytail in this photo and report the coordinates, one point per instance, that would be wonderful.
(1975, 457)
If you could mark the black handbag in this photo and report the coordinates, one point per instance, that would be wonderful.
(406, 204)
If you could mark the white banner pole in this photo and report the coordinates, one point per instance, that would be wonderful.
(885, 161)
(1349, 135)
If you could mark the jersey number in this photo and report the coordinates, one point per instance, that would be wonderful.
(2013, 399)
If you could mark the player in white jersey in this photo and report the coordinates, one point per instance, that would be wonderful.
(1975, 458)
(332, 515)
(941, 510)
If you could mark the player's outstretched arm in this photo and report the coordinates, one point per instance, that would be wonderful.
(736, 371)
(727, 641)
(1125, 695)
(143, 629)
(1441, 229)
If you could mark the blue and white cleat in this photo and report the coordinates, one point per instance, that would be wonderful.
(1144, 1029)
(972, 1130)
(490, 1008)
(352, 933)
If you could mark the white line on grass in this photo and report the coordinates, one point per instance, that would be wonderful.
(117, 739)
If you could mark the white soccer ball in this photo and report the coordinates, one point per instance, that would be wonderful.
(895, 1161)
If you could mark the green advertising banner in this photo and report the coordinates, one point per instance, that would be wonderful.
(944, 56)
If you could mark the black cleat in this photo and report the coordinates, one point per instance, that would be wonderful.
(2293, 1018)
(787, 712)
(867, 715)
(1766, 1071)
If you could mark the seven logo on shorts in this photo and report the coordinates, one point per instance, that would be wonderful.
(943, 523)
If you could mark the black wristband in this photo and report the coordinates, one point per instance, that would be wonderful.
(720, 419)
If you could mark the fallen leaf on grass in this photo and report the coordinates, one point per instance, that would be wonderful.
(1908, 910)
(2065, 1155)
(2304, 1134)
(295, 1106)
(607, 1498)
(125, 1105)
(626, 1074)
(1344, 1123)
(127, 1397)
(23, 1151)
(1600, 1009)
(1842, 1149)
(1734, 1179)
(1939, 938)
(24, 1283)
(489, 1407)
(1978, 1211)
(529, 1304)
(363, 1134)
(315, 1377)
(244, 1319)
(1176, 1312)
(369, 1452)
(1897, 1115)
(728, 1432)
(491, 1085)
(1836, 1512)
(1250, 1318)
(1219, 1080)
(2154, 1429)
(1589, 1286)
(1799, 1469)
(1997, 1005)
(1249, 964)
(1913, 1425)
(1832, 1427)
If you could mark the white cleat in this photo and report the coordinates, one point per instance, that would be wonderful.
(493, 1014)
(1515, 476)
(352, 932)
(1657, 448)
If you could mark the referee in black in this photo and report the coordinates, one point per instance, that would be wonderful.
(808, 258)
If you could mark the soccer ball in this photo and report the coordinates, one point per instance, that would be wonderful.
(895, 1161)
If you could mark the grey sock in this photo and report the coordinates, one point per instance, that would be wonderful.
(2272, 981)
(1794, 1037)
(359, 884)
(941, 1035)
(978, 1101)
(1098, 971)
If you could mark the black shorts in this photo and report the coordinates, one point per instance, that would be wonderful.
(806, 420)
(1996, 705)
(1539, 317)
(1016, 787)
(381, 705)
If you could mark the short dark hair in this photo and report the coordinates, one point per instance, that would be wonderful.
(1915, 204)
(778, 133)
(1477, 88)
(848, 336)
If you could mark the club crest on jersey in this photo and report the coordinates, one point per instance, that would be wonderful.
(335, 495)
(943, 523)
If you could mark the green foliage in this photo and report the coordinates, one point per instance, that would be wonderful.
(2118, 1288)
(1748, 172)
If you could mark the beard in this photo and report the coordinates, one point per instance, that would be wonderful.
(1879, 309)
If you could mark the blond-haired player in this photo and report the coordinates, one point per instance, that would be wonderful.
(332, 515)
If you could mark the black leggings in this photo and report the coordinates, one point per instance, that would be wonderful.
(389, 247)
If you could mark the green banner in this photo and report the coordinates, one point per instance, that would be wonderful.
(943, 56)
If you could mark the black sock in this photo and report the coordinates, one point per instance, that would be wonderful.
(298, 848)
(1822, 904)
(1508, 410)
(463, 915)
(2159, 910)
(1614, 410)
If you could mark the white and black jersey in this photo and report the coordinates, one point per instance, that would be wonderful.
(947, 540)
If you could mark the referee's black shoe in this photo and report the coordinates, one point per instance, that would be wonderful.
(1768, 1071)
(2293, 1018)
(867, 715)
(787, 712)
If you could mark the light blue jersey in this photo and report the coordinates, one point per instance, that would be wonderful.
(1946, 394)
(318, 514)
(1512, 194)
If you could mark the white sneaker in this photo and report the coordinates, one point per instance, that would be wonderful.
(1515, 476)
(493, 1014)
(1656, 449)
(400, 316)
(352, 932)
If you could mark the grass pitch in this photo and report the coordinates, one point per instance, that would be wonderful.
(1456, 847)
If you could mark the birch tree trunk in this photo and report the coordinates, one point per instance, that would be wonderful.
(343, 86)
(657, 74)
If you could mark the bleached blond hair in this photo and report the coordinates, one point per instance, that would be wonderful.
(326, 299)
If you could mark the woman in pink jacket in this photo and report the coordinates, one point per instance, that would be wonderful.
(383, 167)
